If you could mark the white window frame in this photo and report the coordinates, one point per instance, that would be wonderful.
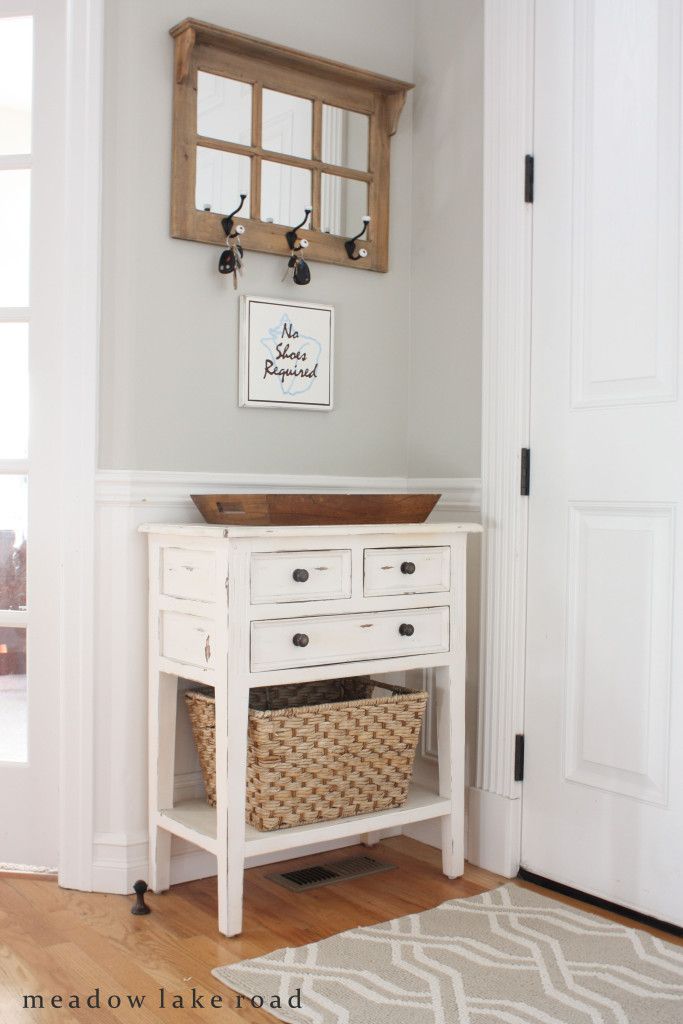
(15, 315)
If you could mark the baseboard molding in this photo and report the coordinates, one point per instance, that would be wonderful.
(121, 860)
(493, 835)
(427, 832)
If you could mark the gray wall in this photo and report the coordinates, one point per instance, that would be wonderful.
(445, 375)
(404, 402)
(169, 337)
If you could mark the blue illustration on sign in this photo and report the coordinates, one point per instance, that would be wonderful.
(292, 358)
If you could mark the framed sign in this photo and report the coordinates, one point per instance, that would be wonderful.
(286, 354)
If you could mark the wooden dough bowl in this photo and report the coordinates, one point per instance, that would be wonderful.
(314, 509)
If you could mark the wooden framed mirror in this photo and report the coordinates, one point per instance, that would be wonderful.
(293, 132)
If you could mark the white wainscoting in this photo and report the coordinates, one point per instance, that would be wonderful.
(125, 500)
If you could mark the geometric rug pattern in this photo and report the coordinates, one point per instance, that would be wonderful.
(509, 955)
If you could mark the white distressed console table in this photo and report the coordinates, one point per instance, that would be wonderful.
(238, 607)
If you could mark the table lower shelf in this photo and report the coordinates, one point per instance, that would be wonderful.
(195, 821)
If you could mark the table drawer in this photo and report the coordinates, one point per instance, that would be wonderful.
(186, 638)
(188, 573)
(406, 571)
(326, 639)
(282, 576)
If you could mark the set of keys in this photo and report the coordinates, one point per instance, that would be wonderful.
(301, 272)
(230, 260)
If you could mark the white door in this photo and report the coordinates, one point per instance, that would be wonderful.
(32, 45)
(603, 789)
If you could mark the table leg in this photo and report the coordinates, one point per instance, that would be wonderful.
(232, 710)
(370, 838)
(450, 687)
(162, 718)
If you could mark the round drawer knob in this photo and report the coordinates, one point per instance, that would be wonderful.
(300, 575)
(301, 640)
(406, 629)
(407, 568)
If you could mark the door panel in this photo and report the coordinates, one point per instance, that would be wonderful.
(618, 647)
(625, 266)
(603, 790)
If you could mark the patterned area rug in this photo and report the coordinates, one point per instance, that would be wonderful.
(509, 955)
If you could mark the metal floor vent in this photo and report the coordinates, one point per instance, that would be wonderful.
(326, 874)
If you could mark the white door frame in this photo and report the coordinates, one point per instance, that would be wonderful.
(79, 343)
(65, 218)
(494, 839)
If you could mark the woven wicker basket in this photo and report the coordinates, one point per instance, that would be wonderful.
(318, 751)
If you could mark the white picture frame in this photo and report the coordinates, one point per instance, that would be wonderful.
(286, 354)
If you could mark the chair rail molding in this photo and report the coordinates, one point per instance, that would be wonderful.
(169, 488)
(495, 800)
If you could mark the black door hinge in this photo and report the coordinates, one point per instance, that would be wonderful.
(519, 757)
(525, 472)
(528, 179)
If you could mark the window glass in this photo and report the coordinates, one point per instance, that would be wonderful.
(15, 197)
(14, 400)
(13, 696)
(13, 520)
(16, 75)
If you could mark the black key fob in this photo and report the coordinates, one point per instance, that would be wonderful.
(226, 263)
(302, 274)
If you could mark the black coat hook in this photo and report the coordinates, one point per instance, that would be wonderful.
(301, 273)
(291, 235)
(226, 223)
(350, 245)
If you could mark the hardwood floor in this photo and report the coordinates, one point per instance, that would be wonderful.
(57, 942)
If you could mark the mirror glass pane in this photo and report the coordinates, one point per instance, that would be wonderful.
(16, 80)
(13, 695)
(15, 198)
(345, 138)
(285, 193)
(223, 108)
(221, 177)
(14, 402)
(287, 124)
(344, 203)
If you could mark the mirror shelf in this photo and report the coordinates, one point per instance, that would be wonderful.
(292, 131)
